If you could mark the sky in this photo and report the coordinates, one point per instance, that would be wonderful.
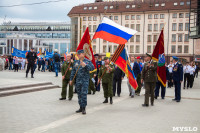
(48, 12)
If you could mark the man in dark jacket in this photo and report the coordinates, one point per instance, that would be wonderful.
(117, 79)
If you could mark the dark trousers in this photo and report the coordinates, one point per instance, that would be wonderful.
(119, 83)
(149, 90)
(96, 81)
(191, 80)
(170, 83)
(196, 74)
(177, 90)
(31, 66)
(158, 85)
(16, 67)
(39, 66)
(187, 78)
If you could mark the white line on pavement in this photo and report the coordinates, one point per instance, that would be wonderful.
(71, 117)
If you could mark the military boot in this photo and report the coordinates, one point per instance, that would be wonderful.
(111, 101)
(106, 100)
(80, 110)
(32, 76)
(83, 111)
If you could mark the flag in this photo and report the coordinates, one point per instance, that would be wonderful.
(48, 54)
(113, 32)
(38, 53)
(18, 53)
(85, 44)
(120, 58)
(159, 55)
(65, 55)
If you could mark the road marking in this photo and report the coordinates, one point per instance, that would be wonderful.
(73, 117)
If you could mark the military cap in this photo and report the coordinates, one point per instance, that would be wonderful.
(148, 55)
(105, 58)
(80, 51)
(96, 55)
(175, 58)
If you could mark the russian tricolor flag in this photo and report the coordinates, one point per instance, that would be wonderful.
(113, 32)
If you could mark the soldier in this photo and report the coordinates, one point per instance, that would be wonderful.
(98, 64)
(31, 60)
(106, 73)
(149, 76)
(80, 72)
(177, 78)
(91, 82)
(66, 71)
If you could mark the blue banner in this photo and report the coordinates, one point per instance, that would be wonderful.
(48, 54)
(18, 53)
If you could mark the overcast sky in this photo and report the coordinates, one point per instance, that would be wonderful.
(34, 13)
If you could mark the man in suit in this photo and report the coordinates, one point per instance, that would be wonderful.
(137, 92)
(136, 70)
(117, 79)
(98, 64)
(149, 76)
(177, 78)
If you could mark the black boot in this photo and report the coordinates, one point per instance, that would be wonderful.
(26, 75)
(32, 76)
(106, 100)
(83, 111)
(111, 101)
(80, 110)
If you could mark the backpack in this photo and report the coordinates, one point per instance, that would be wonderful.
(57, 58)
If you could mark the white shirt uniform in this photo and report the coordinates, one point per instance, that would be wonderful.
(191, 70)
(170, 68)
(186, 69)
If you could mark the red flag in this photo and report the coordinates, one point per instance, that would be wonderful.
(85, 44)
(158, 55)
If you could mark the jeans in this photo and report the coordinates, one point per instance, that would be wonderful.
(56, 66)
(10, 67)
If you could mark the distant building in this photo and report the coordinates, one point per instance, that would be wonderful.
(41, 36)
(148, 17)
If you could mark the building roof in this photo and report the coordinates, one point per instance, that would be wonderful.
(130, 6)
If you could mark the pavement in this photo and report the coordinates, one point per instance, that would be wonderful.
(42, 112)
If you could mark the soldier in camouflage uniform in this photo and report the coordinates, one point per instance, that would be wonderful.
(82, 66)
(66, 67)
(91, 82)
(106, 72)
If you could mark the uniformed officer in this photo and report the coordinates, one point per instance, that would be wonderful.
(31, 60)
(66, 72)
(177, 78)
(149, 76)
(92, 82)
(98, 65)
(80, 71)
(106, 73)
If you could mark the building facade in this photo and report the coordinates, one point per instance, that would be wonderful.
(41, 36)
(147, 17)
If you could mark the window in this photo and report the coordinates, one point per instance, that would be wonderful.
(104, 49)
(163, 4)
(132, 26)
(138, 17)
(180, 37)
(174, 26)
(127, 17)
(175, 3)
(132, 49)
(84, 19)
(133, 6)
(94, 28)
(106, 7)
(180, 27)
(181, 15)
(150, 16)
(95, 7)
(173, 49)
(186, 38)
(186, 26)
(111, 17)
(162, 16)
(179, 49)
(90, 8)
(111, 7)
(84, 28)
(110, 49)
(132, 17)
(187, 15)
(94, 48)
(90, 28)
(186, 49)
(161, 26)
(188, 3)
(94, 40)
(85, 8)
(115, 47)
(137, 49)
(173, 37)
(149, 49)
(104, 41)
(132, 39)
(89, 18)
(149, 38)
(138, 27)
(137, 38)
(127, 6)
(155, 27)
(155, 16)
(181, 3)
(115, 17)
(174, 15)
(94, 18)
(127, 25)
(155, 38)
(149, 27)
(156, 5)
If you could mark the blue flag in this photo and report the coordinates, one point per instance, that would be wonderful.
(18, 53)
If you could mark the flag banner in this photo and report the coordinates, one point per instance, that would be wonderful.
(38, 53)
(48, 54)
(85, 44)
(18, 53)
(113, 32)
(65, 55)
(120, 58)
(159, 56)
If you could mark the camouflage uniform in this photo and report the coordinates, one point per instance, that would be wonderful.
(82, 80)
(66, 80)
(91, 83)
